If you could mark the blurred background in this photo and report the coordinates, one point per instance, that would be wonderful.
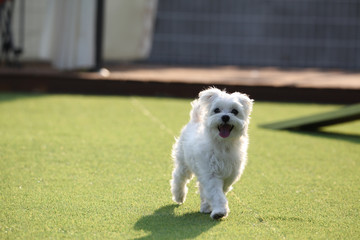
(270, 45)
(298, 33)
(127, 27)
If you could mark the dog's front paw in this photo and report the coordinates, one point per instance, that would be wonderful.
(219, 213)
(179, 199)
(179, 193)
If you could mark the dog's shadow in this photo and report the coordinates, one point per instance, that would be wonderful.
(163, 223)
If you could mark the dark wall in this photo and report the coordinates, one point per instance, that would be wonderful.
(285, 33)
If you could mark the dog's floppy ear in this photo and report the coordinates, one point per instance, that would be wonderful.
(245, 101)
(207, 96)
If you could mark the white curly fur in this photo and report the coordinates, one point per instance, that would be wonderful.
(213, 153)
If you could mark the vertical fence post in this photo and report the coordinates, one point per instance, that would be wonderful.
(99, 32)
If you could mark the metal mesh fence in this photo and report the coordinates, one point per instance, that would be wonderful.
(285, 33)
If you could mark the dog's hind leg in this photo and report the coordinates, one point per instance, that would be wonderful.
(181, 176)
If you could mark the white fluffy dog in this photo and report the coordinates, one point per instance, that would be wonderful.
(213, 146)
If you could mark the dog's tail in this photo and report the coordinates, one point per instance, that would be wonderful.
(195, 114)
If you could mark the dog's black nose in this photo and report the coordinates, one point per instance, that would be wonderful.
(225, 118)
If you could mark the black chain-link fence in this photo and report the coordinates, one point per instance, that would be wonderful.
(285, 33)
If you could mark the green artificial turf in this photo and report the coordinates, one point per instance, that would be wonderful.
(98, 167)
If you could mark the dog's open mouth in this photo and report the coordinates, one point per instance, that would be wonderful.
(225, 130)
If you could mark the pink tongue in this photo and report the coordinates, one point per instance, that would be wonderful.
(225, 130)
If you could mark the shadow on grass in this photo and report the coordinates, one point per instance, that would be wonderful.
(11, 96)
(355, 138)
(164, 224)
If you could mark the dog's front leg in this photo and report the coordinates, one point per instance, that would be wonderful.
(181, 176)
(205, 206)
(212, 190)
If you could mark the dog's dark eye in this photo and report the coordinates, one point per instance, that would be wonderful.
(216, 110)
(234, 111)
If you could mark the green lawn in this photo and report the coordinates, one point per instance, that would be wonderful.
(98, 167)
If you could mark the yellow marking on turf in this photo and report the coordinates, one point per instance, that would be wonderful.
(151, 116)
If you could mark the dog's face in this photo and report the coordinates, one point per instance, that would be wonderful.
(226, 115)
